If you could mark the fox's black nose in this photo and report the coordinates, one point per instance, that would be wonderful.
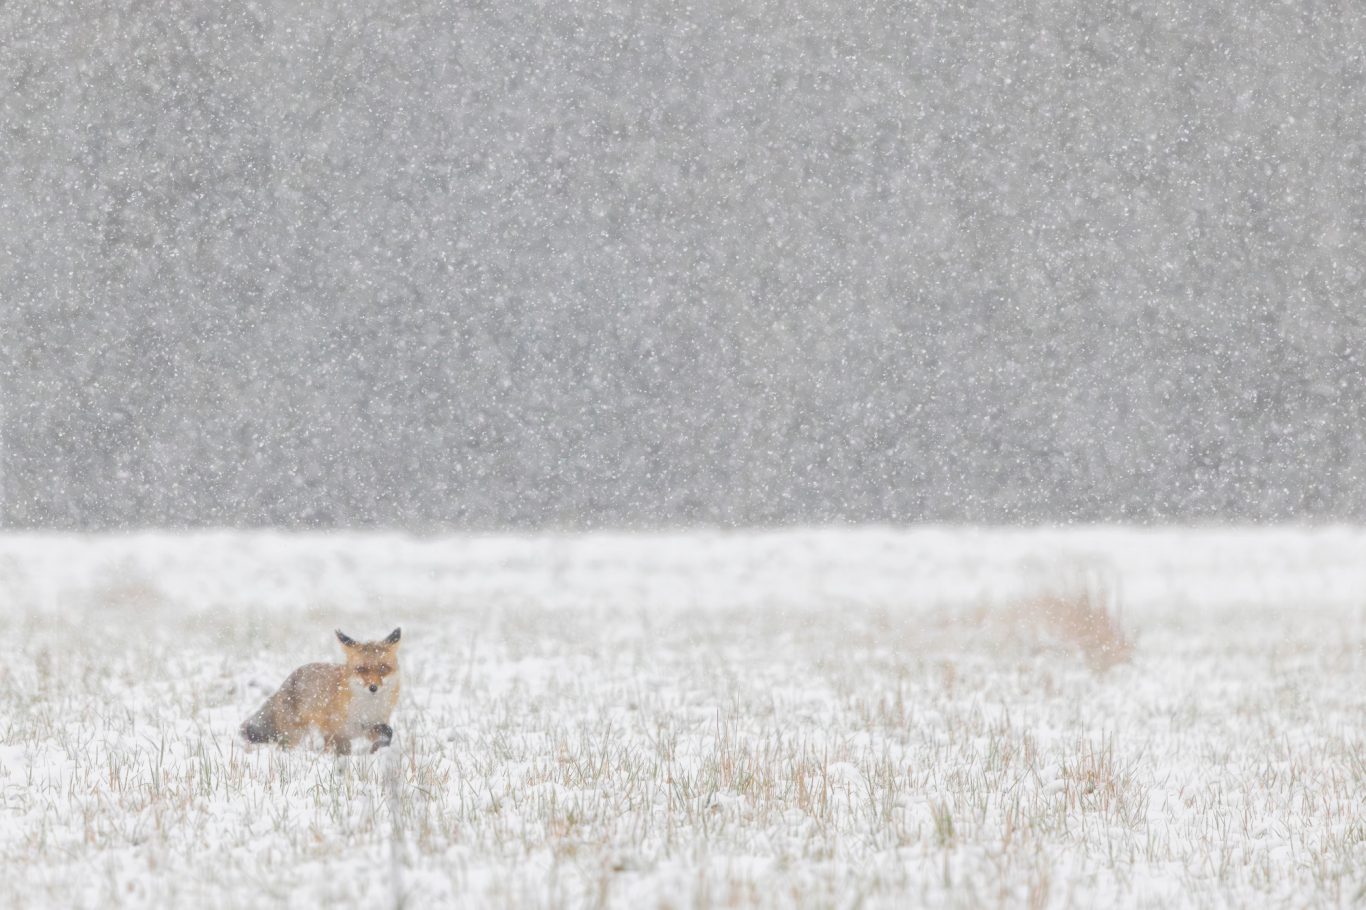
(374, 688)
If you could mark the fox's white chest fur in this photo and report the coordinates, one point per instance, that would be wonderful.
(367, 708)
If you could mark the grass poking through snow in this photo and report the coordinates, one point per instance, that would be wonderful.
(873, 719)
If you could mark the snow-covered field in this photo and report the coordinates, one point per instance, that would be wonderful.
(808, 718)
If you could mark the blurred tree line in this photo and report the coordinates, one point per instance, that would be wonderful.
(456, 263)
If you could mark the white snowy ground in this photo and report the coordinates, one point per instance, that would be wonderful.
(816, 718)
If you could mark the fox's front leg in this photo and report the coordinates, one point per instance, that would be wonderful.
(339, 744)
(381, 735)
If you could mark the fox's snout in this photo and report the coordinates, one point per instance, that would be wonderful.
(374, 687)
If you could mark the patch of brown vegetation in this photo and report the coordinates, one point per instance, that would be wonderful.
(1083, 618)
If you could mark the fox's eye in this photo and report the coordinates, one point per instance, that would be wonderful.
(383, 669)
(361, 671)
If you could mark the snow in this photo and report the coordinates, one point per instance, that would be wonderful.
(800, 718)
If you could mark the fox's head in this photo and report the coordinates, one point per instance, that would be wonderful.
(370, 664)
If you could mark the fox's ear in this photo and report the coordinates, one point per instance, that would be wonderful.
(393, 637)
(345, 639)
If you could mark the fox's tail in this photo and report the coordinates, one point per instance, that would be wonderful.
(260, 727)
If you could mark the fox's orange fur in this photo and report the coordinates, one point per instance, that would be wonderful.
(342, 701)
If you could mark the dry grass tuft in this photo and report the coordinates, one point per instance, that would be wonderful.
(1084, 622)
(1082, 611)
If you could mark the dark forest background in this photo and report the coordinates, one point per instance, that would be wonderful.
(468, 264)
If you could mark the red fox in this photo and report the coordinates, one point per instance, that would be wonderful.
(342, 701)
